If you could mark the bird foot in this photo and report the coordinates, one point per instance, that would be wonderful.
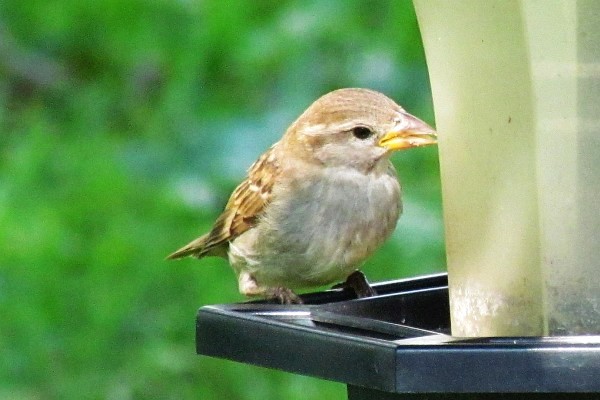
(283, 295)
(358, 282)
(249, 287)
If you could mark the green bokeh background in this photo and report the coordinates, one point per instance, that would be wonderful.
(124, 126)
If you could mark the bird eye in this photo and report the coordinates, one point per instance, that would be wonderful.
(362, 132)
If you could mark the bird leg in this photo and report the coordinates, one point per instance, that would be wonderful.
(249, 287)
(284, 295)
(358, 282)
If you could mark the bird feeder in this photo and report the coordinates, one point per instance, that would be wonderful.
(516, 90)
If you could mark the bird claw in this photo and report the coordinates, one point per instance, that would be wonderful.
(358, 282)
(284, 295)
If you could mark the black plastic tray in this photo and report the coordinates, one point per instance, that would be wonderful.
(397, 342)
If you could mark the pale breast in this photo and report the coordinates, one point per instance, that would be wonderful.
(327, 229)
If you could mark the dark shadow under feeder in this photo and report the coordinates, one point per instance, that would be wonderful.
(397, 344)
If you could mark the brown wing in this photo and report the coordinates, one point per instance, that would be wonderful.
(241, 212)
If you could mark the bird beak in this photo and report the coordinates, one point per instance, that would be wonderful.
(409, 132)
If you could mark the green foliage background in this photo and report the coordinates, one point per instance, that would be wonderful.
(124, 125)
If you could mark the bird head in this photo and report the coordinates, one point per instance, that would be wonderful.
(357, 128)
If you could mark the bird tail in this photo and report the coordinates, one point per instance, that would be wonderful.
(196, 248)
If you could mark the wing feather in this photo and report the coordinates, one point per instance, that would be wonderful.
(242, 211)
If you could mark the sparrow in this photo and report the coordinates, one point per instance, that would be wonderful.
(320, 201)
